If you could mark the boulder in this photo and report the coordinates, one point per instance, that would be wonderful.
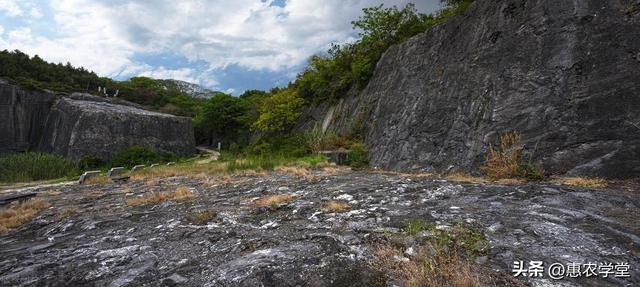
(563, 74)
(80, 125)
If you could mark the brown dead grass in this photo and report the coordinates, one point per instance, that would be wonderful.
(581, 181)
(18, 214)
(336, 206)
(67, 212)
(299, 171)
(181, 193)
(463, 177)
(201, 171)
(201, 217)
(99, 179)
(504, 162)
(273, 200)
(425, 269)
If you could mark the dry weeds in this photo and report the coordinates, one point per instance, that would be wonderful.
(201, 217)
(336, 206)
(463, 177)
(273, 200)
(18, 214)
(505, 161)
(67, 212)
(299, 171)
(181, 193)
(99, 179)
(581, 181)
(426, 269)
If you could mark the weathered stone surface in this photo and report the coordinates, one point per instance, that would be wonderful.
(564, 74)
(81, 124)
(300, 244)
(22, 117)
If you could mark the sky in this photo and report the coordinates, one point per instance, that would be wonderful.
(223, 45)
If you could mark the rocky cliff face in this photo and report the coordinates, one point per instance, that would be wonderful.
(22, 118)
(81, 124)
(564, 74)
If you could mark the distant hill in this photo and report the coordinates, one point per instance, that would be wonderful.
(191, 89)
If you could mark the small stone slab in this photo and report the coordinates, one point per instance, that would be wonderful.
(340, 157)
(116, 171)
(171, 163)
(87, 175)
(137, 167)
(153, 165)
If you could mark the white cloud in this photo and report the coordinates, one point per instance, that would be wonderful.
(1, 30)
(10, 7)
(105, 35)
(35, 13)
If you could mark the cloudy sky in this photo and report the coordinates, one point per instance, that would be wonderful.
(223, 45)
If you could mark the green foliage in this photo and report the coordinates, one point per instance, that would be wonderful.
(415, 226)
(329, 77)
(279, 112)
(358, 156)
(530, 171)
(221, 120)
(285, 145)
(136, 155)
(91, 162)
(35, 73)
(34, 166)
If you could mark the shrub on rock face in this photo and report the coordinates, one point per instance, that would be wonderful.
(506, 161)
(358, 156)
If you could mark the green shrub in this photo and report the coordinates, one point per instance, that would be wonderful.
(133, 156)
(34, 166)
(358, 156)
(91, 162)
(530, 171)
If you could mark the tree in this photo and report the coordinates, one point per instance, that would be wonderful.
(221, 119)
(279, 112)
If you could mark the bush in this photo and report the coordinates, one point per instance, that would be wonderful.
(507, 162)
(91, 162)
(358, 156)
(133, 156)
(34, 166)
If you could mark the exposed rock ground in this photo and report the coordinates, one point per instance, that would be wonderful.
(106, 242)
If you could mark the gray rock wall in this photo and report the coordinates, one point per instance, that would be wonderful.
(564, 74)
(22, 118)
(79, 125)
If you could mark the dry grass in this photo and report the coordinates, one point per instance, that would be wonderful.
(463, 177)
(505, 161)
(299, 171)
(219, 180)
(510, 181)
(202, 171)
(67, 212)
(20, 213)
(273, 200)
(581, 181)
(425, 269)
(334, 169)
(201, 217)
(336, 206)
(181, 193)
(99, 179)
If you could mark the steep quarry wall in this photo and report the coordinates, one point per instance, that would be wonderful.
(564, 74)
(79, 125)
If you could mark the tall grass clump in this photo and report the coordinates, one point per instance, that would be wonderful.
(34, 166)
(506, 161)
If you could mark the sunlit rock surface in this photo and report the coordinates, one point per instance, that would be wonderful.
(105, 242)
